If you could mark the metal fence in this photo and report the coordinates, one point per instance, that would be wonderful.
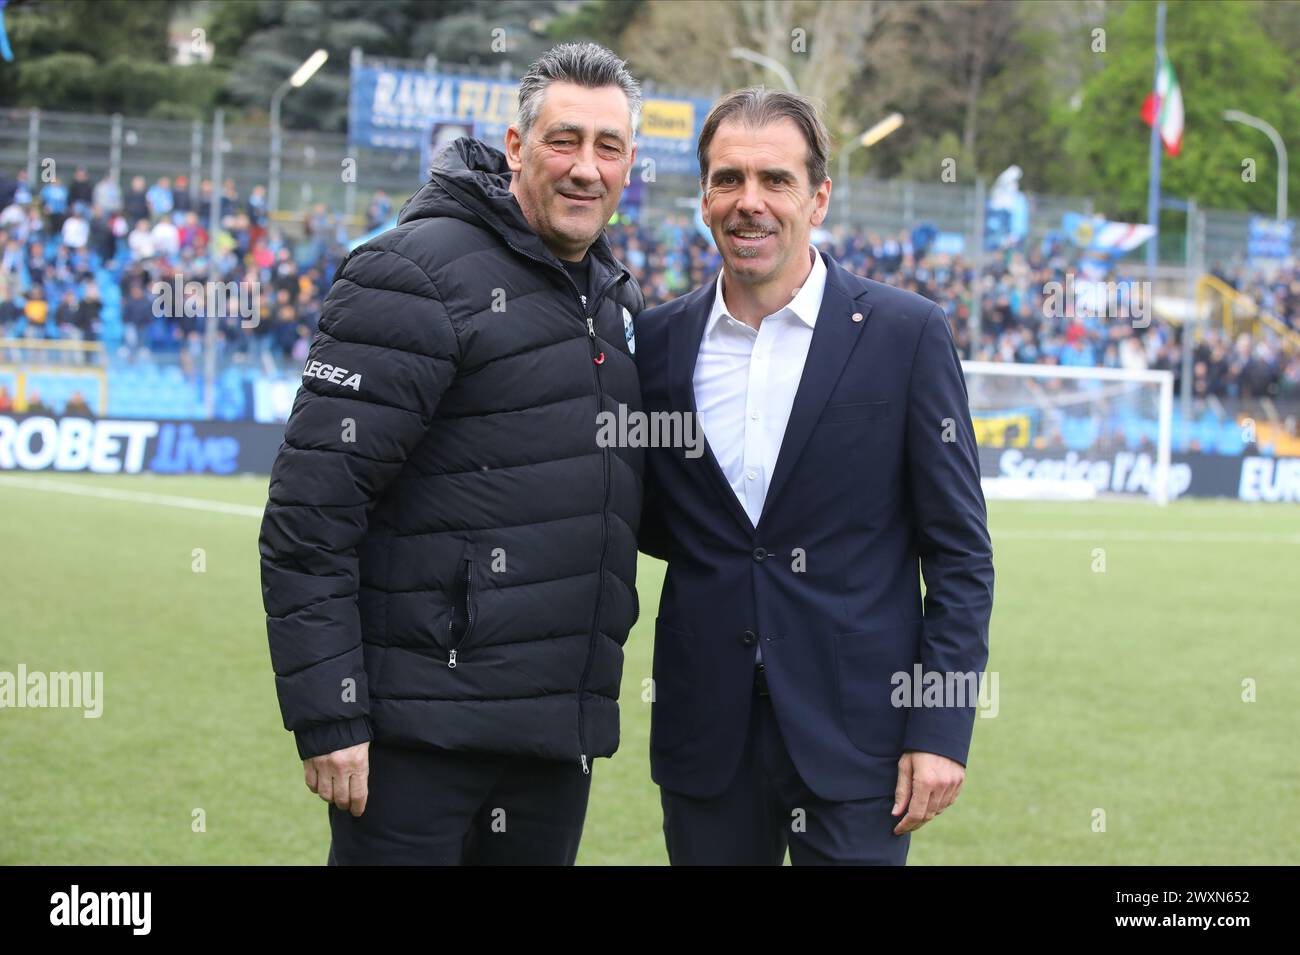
(312, 170)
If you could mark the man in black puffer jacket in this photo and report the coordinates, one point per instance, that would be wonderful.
(449, 552)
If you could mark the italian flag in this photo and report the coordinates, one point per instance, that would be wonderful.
(1164, 107)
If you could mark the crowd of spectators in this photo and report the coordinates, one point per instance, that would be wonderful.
(1023, 317)
(65, 248)
(60, 245)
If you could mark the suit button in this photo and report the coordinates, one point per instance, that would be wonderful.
(760, 554)
(749, 638)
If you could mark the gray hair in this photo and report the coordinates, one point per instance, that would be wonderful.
(583, 64)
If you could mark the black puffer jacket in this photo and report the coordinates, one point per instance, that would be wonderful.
(448, 553)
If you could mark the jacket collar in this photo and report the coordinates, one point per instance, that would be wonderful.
(834, 336)
(805, 304)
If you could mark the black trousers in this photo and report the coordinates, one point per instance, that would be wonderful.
(431, 807)
(767, 808)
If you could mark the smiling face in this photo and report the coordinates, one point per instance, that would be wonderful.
(570, 172)
(758, 202)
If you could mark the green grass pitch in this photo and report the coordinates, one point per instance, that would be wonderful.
(1119, 691)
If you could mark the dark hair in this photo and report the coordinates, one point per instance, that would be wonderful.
(583, 64)
(757, 106)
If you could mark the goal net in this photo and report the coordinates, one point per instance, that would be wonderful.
(1057, 432)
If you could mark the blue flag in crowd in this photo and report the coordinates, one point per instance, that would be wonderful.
(5, 50)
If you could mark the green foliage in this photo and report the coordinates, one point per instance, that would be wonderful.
(1224, 60)
(924, 163)
(231, 25)
(1015, 103)
(987, 83)
(60, 77)
(101, 56)
(269, 42)
(600, 21)
(101, 28)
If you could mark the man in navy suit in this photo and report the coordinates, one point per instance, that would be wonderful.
(805, 695)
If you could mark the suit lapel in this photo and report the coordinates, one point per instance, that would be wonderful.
(684, 336)
(833, 339)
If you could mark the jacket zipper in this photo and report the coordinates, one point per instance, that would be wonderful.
(587, 309)
(604, 504)
(469, 615)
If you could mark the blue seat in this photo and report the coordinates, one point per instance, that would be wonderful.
(1229, 441)
(1079, 434)
(1207, 431)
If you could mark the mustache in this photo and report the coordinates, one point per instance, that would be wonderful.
(750, 225)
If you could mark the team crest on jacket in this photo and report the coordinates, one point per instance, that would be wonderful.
(332, 373)
(628, 331)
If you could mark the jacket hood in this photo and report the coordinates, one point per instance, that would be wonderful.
(466, 176)
(470, 180)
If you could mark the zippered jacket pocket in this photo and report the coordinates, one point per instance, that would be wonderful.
(460, 625)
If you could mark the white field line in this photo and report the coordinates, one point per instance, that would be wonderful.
(1161, 537)
(138, 497)
(1063, 534)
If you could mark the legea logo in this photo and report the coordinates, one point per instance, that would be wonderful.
(333, 374)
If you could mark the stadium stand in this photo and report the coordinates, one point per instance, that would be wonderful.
(85, 266)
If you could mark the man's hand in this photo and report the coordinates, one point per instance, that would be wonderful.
(341, 777)
(927, 785)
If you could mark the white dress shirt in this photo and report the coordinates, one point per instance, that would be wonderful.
(745, 382)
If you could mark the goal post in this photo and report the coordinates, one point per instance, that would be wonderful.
(1052, 431)
(51, 369)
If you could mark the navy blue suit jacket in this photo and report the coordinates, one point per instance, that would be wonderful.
(877, 478)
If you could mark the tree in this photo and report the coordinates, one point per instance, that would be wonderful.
(948, 67)
(822, 44)
(263, 47)
(89, 54)
(1224, 60)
